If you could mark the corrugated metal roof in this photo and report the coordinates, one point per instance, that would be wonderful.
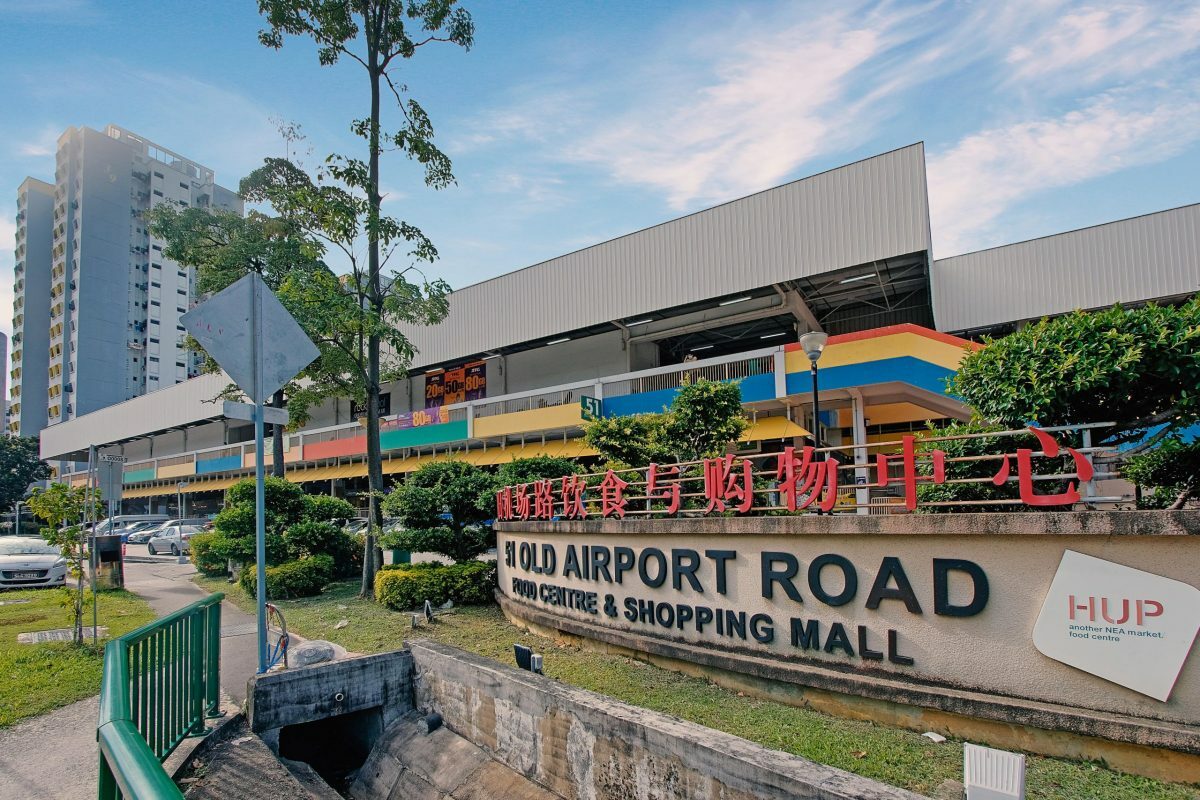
(1128, 261)
(174, 406)
(873, 209)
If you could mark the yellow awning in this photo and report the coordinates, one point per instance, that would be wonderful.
(772, 428)
(312, 474)
(215, 485)
(146, 491)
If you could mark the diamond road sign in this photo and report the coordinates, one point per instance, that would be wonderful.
(224, 327)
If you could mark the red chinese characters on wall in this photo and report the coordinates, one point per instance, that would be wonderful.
(1050, 449)
(805, 480)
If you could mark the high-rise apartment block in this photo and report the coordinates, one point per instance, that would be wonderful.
(31, 308)
(112, 301)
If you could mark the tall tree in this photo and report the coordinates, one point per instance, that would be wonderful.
(19, 467)
(337, 312)
(223, 247)
(379, 35)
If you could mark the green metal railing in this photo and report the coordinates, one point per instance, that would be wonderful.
(161, 682)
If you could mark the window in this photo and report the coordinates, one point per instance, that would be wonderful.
(156, 266)
(181, 310)
(180, 328)
(154, 359)
(157, 193)
(157, 247)
(182, 274)
(182, 291)
(155, 303)
(182, 185)
(156, 284)
(179, 363)
(158, 174)
(153, 341)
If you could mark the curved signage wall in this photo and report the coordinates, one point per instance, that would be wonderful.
(1011, 617)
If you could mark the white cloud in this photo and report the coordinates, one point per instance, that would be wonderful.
(43, 145)
(974, 182)
(1091, 43)
(765, 107)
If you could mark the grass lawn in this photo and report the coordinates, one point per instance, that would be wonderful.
(36, 678)
(901, 758)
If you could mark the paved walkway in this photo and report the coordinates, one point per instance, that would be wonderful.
(168, 587)
(53, 757)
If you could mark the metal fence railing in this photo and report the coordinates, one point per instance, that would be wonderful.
(722, 371)
(558, 397)
(160, 683)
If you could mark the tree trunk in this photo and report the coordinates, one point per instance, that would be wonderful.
(375, 298)
(1181, 499)
(277, 439)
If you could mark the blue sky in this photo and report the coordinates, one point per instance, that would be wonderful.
(571, 122)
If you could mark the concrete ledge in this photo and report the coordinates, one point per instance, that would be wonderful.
(1032, 523)
(580, 744)
(1150, 747)
(295, 696)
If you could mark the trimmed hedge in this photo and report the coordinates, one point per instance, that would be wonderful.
(406, 586)
(301, 578)
(208, 560)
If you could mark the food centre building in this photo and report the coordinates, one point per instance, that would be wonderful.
(722, 294)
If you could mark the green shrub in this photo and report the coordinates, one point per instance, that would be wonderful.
(462, 546)
(209, 561)
(305, 539)
(323, 508)
(407, 586)
(241, 548)
(301, 578)
(284, 500)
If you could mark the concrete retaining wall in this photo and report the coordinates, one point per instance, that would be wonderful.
(583, 746)
(293, 697)
(929, 648)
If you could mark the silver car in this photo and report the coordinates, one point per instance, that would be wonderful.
(172, 538)
(28, 562)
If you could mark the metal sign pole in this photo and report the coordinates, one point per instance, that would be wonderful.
(89, 511)
(260, 541)
(259, 365)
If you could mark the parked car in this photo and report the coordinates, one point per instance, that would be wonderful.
(122, 521)
(173, 538)
(138, 532)
(28, 562)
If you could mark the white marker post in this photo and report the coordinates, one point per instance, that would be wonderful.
(257, 342)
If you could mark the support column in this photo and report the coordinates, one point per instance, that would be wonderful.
(862, 494)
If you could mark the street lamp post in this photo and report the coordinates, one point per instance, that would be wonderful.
(179, 487)
(813, 344)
